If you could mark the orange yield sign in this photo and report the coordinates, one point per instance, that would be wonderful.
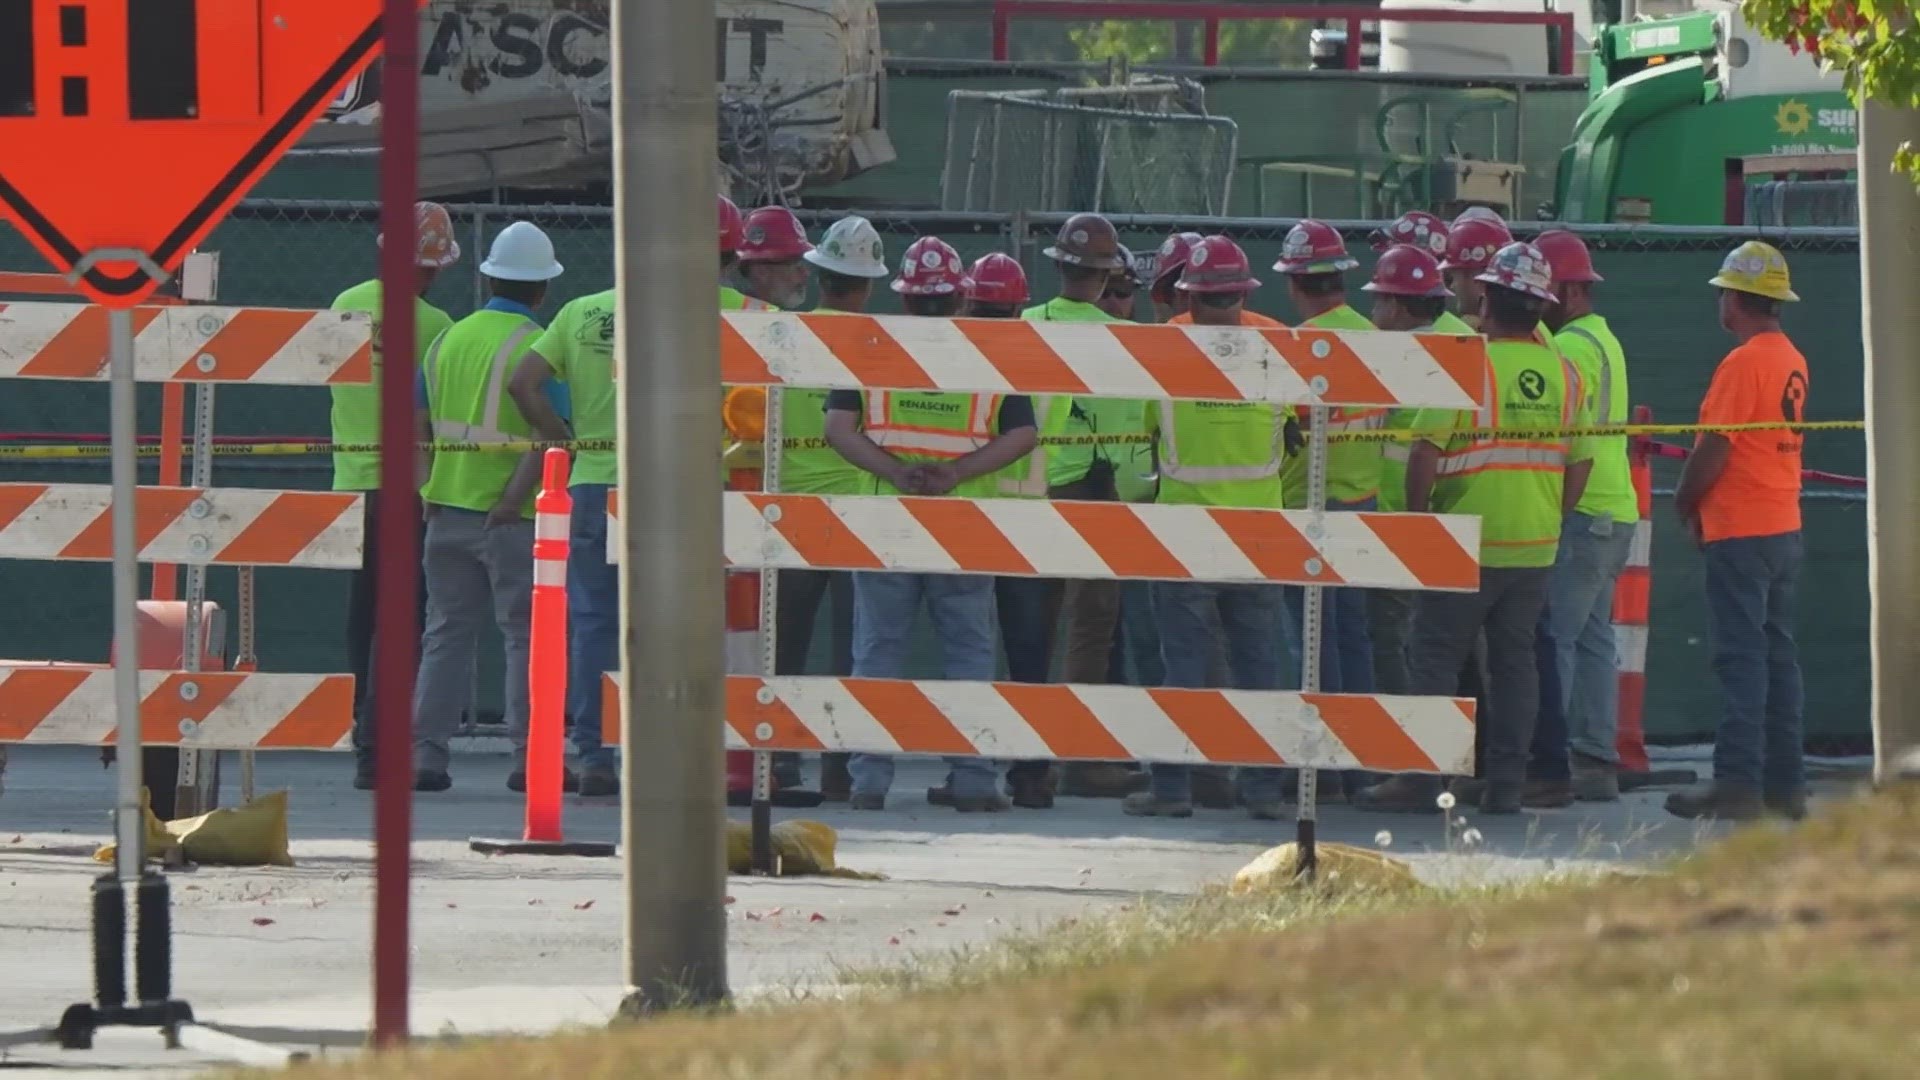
(138, 124)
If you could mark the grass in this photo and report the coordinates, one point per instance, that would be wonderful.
(1777, 953)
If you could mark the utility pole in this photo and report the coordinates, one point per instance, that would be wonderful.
(667, 359)
(1890, 279)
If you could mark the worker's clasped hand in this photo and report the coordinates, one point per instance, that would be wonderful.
(1295, 441)
(928, 479)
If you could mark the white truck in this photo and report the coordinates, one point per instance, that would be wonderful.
(516, 94)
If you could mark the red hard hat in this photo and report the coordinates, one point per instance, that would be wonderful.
(1520, 266)
(1172, 256)
(929, 268)
(732, 231)
(773, 234)
(1568, 256)
(1415, 227)
(1217, 265)
(1472, 242)
(995, 279)
(1480, 213)
(1406, 270)
(1314, 247)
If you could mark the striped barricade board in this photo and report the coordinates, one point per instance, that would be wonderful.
(1195, 363)
(213, 710)
(1386, 733)
(267, 346)
(215, 526)
(1043, 538)
(62, 703)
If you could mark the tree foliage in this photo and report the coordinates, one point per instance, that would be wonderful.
(1273, 42)
(1874, 43)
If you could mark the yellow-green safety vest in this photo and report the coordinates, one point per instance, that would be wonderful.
(1220, 453)
(466, 370)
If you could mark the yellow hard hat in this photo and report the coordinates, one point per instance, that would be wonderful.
(1758, 268)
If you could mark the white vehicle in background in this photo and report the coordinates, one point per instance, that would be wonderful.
(517, 95)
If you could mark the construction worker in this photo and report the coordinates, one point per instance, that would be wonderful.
(848, 260)
(478, 557)
(1574, 755)
(356, 419)
(1167, 264)
(949, 444)
(1117, 299)
(1415, 228)
(1098, 281)
(1409, 295)
(1218, 453)
(1740, 498)
(1315, 260)
(1519, 484)
(995, 287)
(1471, 243)
(771, 266)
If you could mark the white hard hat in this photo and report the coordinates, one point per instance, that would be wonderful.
(521, 253)
(851, 247)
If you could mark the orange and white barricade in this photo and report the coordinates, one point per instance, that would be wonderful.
(1306, 730)
(196, 525)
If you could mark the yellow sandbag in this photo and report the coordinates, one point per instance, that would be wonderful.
(1340, 867)
(250, 835)
(800, 848)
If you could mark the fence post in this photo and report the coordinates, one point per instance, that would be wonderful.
(476, 252)
(1210, 46)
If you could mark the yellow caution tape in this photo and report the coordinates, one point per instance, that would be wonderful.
(63, 452)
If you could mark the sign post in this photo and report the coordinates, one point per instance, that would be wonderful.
(129, 138)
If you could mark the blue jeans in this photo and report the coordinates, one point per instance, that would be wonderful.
(1135, 660)
(593, 621)
(962, 609)
(1192, 617)
(1750, 610)
(1592, 553)
(1548, 756)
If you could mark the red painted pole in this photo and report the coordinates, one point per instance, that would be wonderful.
(397, 575)
(1565, 22)
(547, 674)
(1353, 43)
(1000, 20)
(1210, 45)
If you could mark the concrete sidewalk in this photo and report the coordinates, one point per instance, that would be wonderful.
(525, 944)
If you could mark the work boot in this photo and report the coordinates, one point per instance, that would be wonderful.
(1723, 800)
(1214, 790)
(1147, 804)
(992, 802)
(1546, 794)
(1101, 780)
(1506, 796)
(599, 781)
(1031, 792)
(836, 784)
(432, 780)
(1791, 805)
(1595, 779)
(364, 777)
(517, 780)
(866, 802)
(1467, 790)
(1405, 793)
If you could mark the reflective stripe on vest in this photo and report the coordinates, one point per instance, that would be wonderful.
(1031, 482)
(1396, 451)
(1517, 454)
(488, 431)
(1171, 469)
(942, 443)
(1603, 401)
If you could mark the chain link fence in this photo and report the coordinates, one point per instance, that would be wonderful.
(302, 254)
